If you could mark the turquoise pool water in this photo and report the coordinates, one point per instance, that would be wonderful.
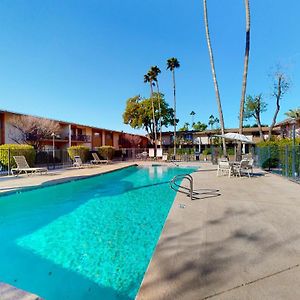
(86, 239)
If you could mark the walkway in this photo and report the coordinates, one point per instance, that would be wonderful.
(243, 244)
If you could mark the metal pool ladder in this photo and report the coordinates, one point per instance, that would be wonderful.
(182, 189)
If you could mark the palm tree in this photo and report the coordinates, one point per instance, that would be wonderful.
(293, 113)
(212, 64)
(148, 78)
(211, 121)
(155, 71)
(245, 74)
(172, 64)
(192, 114)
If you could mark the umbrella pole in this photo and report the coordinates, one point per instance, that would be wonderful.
(235, 158)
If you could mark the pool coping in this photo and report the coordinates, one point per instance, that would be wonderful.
(162, 230)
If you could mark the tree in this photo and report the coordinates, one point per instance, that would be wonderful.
(138, 113)
(185, 127)
(172, 64)
(212, 120)
(148, 78)
(199, 126)
(280, 87)
(130, 140)
(293, 113)
(254, 107)
(245, 74)
(32, 130)
(212, 64)
(155, 71)
(192, 113)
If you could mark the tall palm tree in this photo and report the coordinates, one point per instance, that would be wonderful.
(213, 71)
(192, 113)
(155, 71)
(245, 74)
(172, 64)
(293, 113)
(148, 78)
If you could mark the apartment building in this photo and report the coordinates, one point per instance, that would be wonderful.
(72, 134)
(206, 136)
(287, 127)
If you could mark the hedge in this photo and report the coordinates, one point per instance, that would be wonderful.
(14, 150)
(81, 151)
(107, 152)
(278, 154)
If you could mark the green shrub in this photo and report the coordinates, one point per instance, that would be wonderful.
(206, 151)
(107, 152)
(278, 154)
(10, 150)
(271, 163)
(81, 151)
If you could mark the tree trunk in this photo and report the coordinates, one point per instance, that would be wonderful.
(153, 118)
(159, 108)
(278, 96)
(212, 64)
(261, 135)
(174, 95)
(245, 74)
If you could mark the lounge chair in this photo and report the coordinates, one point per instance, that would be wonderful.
(79, 164)
(142, 156)
(96, 160)
(164, 157)
(159, 153)
(22, 166)
(224, 167)
(151, 153)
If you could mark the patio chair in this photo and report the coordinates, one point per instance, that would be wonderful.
(23, 166)
(245, 166)
(96, 160)
(224, 167)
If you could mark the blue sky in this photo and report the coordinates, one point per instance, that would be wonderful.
(81, 60)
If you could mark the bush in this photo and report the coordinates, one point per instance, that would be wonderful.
(279, 154)
(206, 152)
(107, 152)
(271, 163)
(81, 151)
(14, 150)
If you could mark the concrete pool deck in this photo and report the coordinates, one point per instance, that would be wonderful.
(242, 244)
(13, 183)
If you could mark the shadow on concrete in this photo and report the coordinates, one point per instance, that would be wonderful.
(192, 265)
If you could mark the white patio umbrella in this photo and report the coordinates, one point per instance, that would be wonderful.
(235, 137)
(232, 136)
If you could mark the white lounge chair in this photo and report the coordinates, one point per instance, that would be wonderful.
(159, 153)
(164, 157)
(224, 167)
(79, 164)
(151, 153)
(23, 166)
(97, 160)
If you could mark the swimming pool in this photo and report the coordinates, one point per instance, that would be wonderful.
(85, 239)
